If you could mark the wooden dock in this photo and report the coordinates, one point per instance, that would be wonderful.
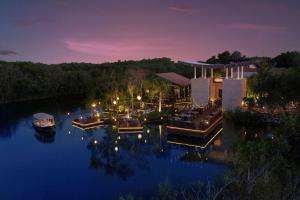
(87, 122)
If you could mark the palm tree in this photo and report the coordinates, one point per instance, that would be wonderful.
(131, 88)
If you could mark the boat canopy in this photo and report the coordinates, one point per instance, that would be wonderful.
(42, 116)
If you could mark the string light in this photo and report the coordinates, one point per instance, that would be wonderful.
(116, 149)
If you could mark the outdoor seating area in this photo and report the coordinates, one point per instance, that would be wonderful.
(197, 120)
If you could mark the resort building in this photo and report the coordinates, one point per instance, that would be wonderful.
(220, 82)
(180, 85)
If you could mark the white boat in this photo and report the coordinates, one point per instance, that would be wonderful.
(43, 122)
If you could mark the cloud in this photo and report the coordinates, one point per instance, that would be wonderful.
(119, 49)
(180, 8)
(7, 53)
(30, 22)
(255, 27)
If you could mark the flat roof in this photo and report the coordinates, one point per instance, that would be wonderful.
(217, 66)
(175, 78)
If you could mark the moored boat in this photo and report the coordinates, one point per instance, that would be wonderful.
(43, 122)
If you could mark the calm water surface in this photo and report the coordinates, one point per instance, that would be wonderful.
(69, 164)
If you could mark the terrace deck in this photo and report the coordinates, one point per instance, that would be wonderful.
(196, 125)
(87, 122)
(130, 126)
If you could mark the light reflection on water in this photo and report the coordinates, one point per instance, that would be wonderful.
(99, 162)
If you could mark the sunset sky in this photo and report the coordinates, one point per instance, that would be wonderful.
(55, 31)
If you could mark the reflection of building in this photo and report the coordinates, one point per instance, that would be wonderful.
(211, 148)
(214, 148)
(231, 88)
(193, 141)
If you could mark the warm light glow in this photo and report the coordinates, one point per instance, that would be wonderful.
(243, 103)
(217, 142)
(147, 91)
(145, 119)
(95, 141)
(68, 114)
(148, 130)
(218, 80)
(161, 118)
(139, 98)
(118, 98)
(114, 102)
(140, 136)
(93, 105)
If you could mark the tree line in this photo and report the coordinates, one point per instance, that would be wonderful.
(26, 80)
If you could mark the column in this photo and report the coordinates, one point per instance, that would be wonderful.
(211, 72)
(205, 73)
(238, 73)
(226, 69)
(202, 72)
(231, 73)
(195, 72)
(242, 73)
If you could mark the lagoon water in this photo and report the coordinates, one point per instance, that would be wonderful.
(71, 165)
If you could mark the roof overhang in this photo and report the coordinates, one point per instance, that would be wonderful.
(175, 78)
(218, 66)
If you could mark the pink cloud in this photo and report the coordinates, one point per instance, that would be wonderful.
(117, 49)
(255, 27)
(180, 8)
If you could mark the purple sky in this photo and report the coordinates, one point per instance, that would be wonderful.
(55, 31)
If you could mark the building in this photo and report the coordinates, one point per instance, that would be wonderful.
(179, 85)
(229, 86)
